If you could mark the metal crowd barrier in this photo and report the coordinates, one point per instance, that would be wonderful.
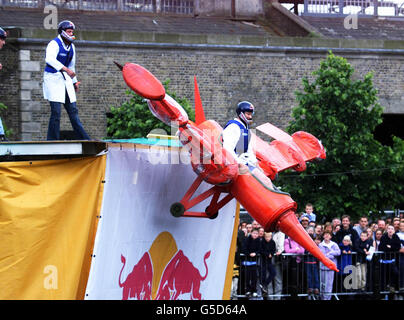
(380, 278)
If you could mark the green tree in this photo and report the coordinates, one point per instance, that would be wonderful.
(359, 174)
(133, 119)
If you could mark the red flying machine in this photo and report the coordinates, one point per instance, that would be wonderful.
(273, 209)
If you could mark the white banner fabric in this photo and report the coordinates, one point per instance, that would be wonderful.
(141, 251)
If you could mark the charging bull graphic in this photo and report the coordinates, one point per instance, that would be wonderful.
(163, 273)
(181, 277)
(138, 283)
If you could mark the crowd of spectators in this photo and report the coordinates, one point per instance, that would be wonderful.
(272, 264)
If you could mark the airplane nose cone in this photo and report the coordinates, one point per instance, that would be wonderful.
(142, 81)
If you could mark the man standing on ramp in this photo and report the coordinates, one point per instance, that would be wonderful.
(60, 82)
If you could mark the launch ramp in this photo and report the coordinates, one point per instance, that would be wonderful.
(99, 227)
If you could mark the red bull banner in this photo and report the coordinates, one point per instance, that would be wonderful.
(48, 219)
(141, 251)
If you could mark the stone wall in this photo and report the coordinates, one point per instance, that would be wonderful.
(229, 8)
(267, 75)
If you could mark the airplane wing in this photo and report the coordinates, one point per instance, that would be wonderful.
(286, 151)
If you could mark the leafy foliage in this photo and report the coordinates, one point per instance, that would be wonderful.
(360, 174)
(133, 119)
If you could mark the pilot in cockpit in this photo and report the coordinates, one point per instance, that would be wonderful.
(237, 140)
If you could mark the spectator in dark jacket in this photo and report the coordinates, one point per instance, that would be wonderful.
(390, 244)
(362, 247)
(346, 230)
(312, 273)
(241, 236)
(268, 251)
(252, 249)
(344, 260)
(400, 234)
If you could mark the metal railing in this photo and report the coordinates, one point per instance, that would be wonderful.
(183, 7)
(291, 276)
(358, 7)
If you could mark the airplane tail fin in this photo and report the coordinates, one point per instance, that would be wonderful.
(199, 113)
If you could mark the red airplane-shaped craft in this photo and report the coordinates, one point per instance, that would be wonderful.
(273, 209)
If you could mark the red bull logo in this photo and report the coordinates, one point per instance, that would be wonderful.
(138, 283)
(181, 277)
(163, 273)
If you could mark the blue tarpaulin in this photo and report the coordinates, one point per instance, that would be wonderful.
(150, 142)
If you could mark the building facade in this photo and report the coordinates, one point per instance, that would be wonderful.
(233, 60)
